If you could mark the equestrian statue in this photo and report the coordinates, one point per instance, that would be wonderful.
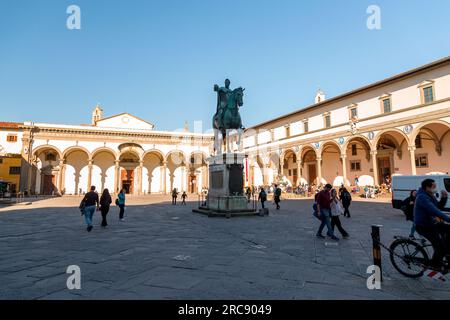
(227, 118)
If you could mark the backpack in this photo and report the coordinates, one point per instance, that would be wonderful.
(278, 192)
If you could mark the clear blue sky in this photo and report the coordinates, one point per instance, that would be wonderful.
(160, 59)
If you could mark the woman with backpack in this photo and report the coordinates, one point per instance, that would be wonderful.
(105, 203)
(346, 199)
(336, 211)
(408, 209)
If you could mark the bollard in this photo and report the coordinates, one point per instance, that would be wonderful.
(377, 248)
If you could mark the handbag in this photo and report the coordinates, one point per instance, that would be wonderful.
(82, 206)
(117, 201)
(316, 212)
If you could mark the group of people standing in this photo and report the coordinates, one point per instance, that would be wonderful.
(92, 202)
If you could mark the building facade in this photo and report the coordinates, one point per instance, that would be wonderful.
(397, 126)
(116, 152)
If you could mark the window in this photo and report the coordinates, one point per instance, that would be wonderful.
(288, 131)
(14, 170)
(354, 150)
(306, 126)
(295, 173)
(11, 138)
(353, 111)
(289, 172)
(418, 142)
(355, 165)
(447, 184)
(327, 120)
(387, 105)
(421, 161)
(428, 95)
(1, 161)
(50, 157)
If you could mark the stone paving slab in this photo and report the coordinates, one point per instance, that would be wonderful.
(167, 252)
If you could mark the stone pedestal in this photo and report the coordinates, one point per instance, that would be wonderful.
(226, 185)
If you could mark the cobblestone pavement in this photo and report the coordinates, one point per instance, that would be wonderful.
(167, 252)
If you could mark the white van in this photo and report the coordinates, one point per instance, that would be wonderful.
(402, 186)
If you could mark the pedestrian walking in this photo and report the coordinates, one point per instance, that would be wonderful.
(262, 197)
(183, 198)
(174, 196)
(336, 210)
(105, 203)
(120, 201)
(346, 199)
(277, 195)
(408, 209)
(323, 201)
(89, 203)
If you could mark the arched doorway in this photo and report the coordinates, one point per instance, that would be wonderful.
(128, 162)
(47, 170)
(290, 170)
(309, 161)
(392, 156)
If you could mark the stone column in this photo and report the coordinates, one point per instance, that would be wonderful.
(164, 177)
(116, 176)
(319, 170)
(375, 166)
(299, 172)
(412, 153)
(89, 180)
(344, 168)
(62, 171)
(139, 177)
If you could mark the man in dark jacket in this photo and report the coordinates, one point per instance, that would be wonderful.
(427, 213)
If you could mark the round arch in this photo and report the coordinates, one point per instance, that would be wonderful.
(156, 152)
(328, 144)
(44, 147)
(71, 149)
(362, 138)
(173, 152)
(416, 130)
(103, 149)
(386, 132)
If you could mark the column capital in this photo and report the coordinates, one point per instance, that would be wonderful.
(90, 162)
(373, 152)
(318, 158)
(117, 162)
(412, 148)
(343, 156)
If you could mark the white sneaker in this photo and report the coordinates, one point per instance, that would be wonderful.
(123, 219)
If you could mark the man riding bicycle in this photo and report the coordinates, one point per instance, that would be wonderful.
(428, 220)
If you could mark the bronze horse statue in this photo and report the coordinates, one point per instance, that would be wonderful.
(228, 119)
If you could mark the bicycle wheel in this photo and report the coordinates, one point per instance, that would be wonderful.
(409, 258)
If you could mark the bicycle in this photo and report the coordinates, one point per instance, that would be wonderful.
(411, 259)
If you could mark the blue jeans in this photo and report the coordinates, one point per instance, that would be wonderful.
(326, 221)
(88, 213)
